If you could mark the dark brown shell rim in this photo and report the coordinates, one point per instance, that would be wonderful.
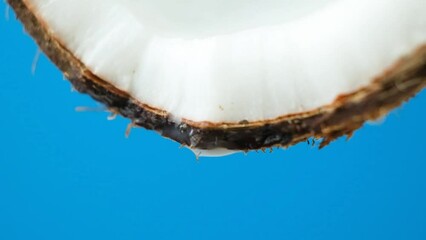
(346, 114)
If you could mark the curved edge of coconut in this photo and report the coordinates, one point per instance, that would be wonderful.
(346, 114)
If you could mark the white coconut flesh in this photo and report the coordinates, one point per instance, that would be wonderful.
(233, 60)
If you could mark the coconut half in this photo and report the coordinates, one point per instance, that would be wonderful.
(230, 75)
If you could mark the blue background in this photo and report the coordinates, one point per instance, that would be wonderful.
(73, 175)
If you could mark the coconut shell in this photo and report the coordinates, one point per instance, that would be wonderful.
(343, 116)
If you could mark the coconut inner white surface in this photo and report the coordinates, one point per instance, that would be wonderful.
(195, 18)
(233, 60)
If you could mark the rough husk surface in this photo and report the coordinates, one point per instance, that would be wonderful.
(346, 114)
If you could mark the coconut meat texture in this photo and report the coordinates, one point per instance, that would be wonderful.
(231, 61)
